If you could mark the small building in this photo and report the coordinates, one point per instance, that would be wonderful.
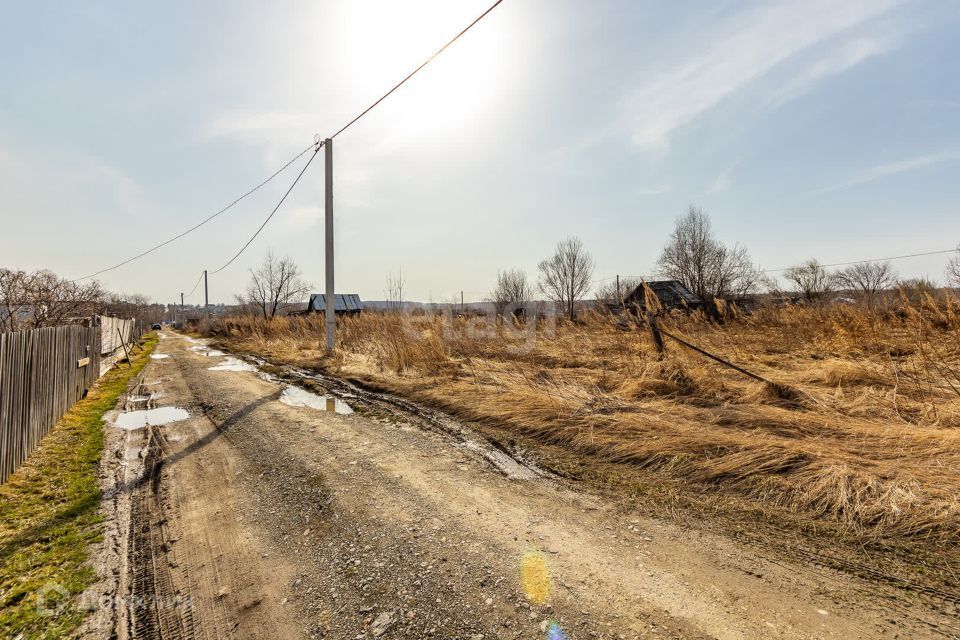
(672, 294)
(343, 303)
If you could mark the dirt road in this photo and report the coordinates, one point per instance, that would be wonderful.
(260, 516)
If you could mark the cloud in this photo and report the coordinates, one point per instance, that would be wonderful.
(841, 59)
(745, 48)
(891, 168)
(721, 183)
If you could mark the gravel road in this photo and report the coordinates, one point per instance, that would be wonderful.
(266, 515)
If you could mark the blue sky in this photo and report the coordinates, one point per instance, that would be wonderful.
(805, 129)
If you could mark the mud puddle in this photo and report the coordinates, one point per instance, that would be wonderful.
(233, 364)
(297, 397)
(140, 418)
(204, 350)
(511, 464)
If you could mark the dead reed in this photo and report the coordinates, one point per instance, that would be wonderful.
(862, 430)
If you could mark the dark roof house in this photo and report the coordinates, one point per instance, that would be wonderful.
(348, 303)
(671, 293)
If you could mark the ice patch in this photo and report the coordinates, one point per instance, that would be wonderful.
(297, 397)
(161, 415)
(159, 356)
(232, 364)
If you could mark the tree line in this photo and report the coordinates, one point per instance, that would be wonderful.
(709, 268)
(41, 298)
(693, 254)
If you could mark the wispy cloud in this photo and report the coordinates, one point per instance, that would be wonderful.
(890, 168)
(745, 48)
(841, 59)
(722, 182)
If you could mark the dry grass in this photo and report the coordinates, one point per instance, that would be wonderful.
(869, 439)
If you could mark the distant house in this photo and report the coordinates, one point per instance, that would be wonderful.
(672, 294)
(343, 303)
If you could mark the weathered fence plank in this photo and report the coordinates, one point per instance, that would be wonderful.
(40, 379)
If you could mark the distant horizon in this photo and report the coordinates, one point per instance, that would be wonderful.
(805, 130)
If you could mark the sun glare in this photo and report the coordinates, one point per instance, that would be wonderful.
(384, 41)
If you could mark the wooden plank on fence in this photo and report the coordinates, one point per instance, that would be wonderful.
(43, 372)
(4, 411)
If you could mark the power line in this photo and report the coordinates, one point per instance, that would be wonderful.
(316, 147)
(196, 285)
(319, 143)
(200, 224)
(275, 209)
(414, 72)
(844, 264)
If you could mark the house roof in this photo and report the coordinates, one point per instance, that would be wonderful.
(341, 302)
(667, 290)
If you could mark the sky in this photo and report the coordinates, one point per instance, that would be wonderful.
(804, 129)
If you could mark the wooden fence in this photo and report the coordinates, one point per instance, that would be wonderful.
(115, 332)
(43, 372)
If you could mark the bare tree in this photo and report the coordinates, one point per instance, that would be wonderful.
(811, 280)
(13, 298)
(276, 282)
(710, 269)
(44, 299)
(243, 307)
(512, 290)
(393, 291)
(566, 276)
(916, 290)
(132, 305)
(867, 279)
(610, 294)
(953, 270)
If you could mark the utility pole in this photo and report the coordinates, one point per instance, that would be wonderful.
(206, 295)
(619, 297)
(461, 303)
(181, 306)
(330, 311)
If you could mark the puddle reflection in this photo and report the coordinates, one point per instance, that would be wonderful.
(232, 364)
(161, 415)
(297, 397)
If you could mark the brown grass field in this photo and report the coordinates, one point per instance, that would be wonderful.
(865, 442)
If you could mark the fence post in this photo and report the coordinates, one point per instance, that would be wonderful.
(655, 334)
(127, 353)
